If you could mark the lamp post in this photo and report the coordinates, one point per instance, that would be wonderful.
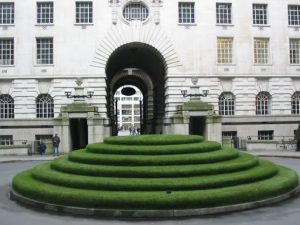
(79, 92)
(68, 94)
(204, 93)
(194, 90)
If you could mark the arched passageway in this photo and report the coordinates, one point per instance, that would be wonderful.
(143, 66)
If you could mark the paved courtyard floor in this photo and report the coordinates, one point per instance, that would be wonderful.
(11, 213)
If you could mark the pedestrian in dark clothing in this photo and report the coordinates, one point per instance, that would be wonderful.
(42, 148)
(55, 141)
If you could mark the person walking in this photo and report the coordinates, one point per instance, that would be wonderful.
(42, 148)
(55, 141)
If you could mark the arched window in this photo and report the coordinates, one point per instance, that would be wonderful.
(135, 11)
(295, 102)
(44, 106)
(226, 104)
(7, 106)
(263, 103)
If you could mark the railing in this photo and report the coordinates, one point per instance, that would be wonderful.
(255, 142)
(15, 147)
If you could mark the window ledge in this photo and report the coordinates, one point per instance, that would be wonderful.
(7, 25)
(226, 64)
(294, 65)
(83, 24)
(187, 24)
(44, 24)
(261, 25)
(224, 25)
(3, 66)
(44, 65)
(262, 65)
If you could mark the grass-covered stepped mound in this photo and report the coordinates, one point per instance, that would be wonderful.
(154, 172)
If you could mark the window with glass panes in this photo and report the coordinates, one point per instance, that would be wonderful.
(294, 51)
(259, 12)
(223, 13)
(265, 135)
(6, 139)
(186, 12)
(294, 15)
(261, 50)
(44, 106)
(135, 11)
(7, 13)
(84, 12)
(44, 12)
(44, 47)
(7, 51)
(295, 103)
(226, 104)
(7, 106)
(224, 49)
(263, 103)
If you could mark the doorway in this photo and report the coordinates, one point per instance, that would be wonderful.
(140, 65)
(197, 125)
(128, 111)
(79, 133)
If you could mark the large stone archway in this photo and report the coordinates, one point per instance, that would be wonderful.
(143, 66)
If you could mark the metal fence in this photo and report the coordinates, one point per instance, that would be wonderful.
(280, 142)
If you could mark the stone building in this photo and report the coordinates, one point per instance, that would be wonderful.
(245, 53)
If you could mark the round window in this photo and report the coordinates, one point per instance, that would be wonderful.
(135, 11)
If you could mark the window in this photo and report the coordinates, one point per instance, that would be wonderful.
(263, 103)
(224, 50)
(229, 134)
(84, 12)
(7, 107)
(44, 106)
(44, 48)
(223, 13)
(294, 51)
(261, 50)
(7, 51)
(295, 103)
(6, 139)
(259, 14)
(186, 12)
(7, 13)
(45, 12)
(226, 104)
(265, 135)
(135, 11)
(294, 15)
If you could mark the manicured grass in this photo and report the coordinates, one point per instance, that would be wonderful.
(264, 170)
(154, 172)
(83, 156)
(281, 183)
(104, 148)
(244, 161)
(153, 139)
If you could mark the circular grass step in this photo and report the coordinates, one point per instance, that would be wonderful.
(83, 156)
(104, 148)
(264, 170)
(153, 139)
(244, 161)
(284, 181)
(154, 172)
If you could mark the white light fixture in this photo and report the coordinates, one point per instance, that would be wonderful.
(204, 93)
